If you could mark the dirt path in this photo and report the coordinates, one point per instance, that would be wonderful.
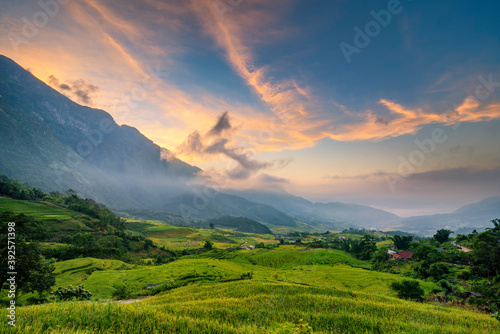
(129, 301)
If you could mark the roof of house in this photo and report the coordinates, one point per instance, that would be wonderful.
(403, 255)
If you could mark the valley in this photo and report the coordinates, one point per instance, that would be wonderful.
(150, 276)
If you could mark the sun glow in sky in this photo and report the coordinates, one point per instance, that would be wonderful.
(394, 104)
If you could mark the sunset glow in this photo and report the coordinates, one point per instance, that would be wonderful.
(295, 109)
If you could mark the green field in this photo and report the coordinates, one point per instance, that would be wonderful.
(251, 307)
(230, 289)
(320, 268)
(59, 221)
(175, 237)
(42, 211)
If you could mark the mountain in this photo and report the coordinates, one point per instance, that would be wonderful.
(476, 216)
(56, 144)
(334, 214)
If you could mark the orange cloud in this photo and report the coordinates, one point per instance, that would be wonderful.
(410, 121)
(298, 122)
(99, 44)
(285, 98)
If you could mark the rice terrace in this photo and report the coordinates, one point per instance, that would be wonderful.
(249, 167)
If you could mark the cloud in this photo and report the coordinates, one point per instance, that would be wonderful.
(221, 125)
(357, 177)
(167, 155)
(404, 120)
(122, 39)
(298, 119)
(82, 91)
(217, 141)
(467, 184)
(290, 122)
(266, 178)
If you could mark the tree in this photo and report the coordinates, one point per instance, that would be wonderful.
(148, 243)
(427, 253)
(496, 223)
(70, 293)
(442, 235)
(368, 246)
(486, 254)
(37, 194)
(402, 242)
(423, 257)
(408, 289)
(438, 270)
(208, 245)
(83, 240)
(211, 226)
(34, 272)
(381, 259)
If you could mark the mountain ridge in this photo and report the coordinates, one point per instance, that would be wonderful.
(335, 214)
(473, 216)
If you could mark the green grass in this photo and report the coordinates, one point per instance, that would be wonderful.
(312, 268)
(103, 277)
(251, 307)
(77, 271)
(58, 221)
(175, 237)
(42, 211)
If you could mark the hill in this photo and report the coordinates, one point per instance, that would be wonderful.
(241, 224)
(254, 307)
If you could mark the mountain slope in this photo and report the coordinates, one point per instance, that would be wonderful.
(476, 216)
(55, 144)
(335, 214)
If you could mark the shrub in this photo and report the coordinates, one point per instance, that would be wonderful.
(408, 289)
(70, 293)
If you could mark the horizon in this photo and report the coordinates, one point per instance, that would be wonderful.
(286, 95)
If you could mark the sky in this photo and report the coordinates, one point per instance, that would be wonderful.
(393, 104)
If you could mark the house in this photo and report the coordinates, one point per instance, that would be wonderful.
(251, 247)
(402, 255)
(441, 249)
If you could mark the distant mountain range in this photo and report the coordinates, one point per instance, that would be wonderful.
(476, 216)
(56, 144)
(334, 214)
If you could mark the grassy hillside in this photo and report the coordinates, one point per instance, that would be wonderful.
(184, 287)
(310, 268)
(59, 221)
(178, 237)
(252, 307)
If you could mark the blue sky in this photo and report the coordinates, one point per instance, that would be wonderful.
(297, 110)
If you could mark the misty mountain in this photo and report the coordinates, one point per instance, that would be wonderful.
(335, 214)
(476, 216)
(56, 144)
